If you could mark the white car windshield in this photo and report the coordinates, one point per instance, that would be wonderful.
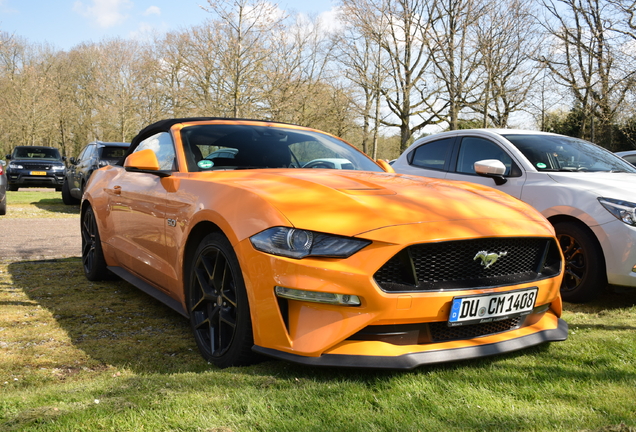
(560, 153)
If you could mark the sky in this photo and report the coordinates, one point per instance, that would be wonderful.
(65, 24)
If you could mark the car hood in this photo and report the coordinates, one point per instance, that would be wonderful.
(603, 184)
(355, 202)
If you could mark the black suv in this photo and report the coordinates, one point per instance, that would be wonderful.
(95, 155)
(35, 166)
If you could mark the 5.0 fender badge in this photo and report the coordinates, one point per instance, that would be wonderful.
(172, 222)
(489, 258)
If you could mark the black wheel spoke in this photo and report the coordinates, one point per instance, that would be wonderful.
(214, 301)
(575, 265)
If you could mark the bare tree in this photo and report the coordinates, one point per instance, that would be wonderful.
(589, 59)
(401, 28)
(296, 74)
(508, 40)
(363, 61)
(245, 26)
(455, 52)
(197, 64)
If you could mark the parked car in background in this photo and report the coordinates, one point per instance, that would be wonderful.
(94, 155)
(35, 166)
(585, 191)
(3, 189)
(358, 268)
(629, 156)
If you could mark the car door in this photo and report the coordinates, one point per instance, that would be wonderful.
(84, 167)
(431, 159)
(74, 173)
(138, 207)
(471, 149)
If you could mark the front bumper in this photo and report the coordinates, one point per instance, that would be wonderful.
(414, 359)
(328, 334)
(21, 179)
(618, 242)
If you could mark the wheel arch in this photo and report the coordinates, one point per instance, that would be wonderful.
(197, 233)
(570, 219)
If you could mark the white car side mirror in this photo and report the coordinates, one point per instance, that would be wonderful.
(491, 168)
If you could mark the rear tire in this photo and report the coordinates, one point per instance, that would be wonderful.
(584, 275)
(93, 260)
(3, 207)
(67, 198)
(218, 305)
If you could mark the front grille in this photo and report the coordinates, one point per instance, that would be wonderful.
(457, 264)
(42, 166)
(419, 334)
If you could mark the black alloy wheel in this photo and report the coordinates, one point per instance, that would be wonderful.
(92, 255)
(218, 305)
(584, 274)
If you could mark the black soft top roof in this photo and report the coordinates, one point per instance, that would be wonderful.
(166, 124)
(163, 126)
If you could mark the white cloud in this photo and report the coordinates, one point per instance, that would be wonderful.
(146, 32)
(107, 13)
(152, 10)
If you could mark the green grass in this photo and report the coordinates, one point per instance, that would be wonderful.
(83, 356)
(27, 203)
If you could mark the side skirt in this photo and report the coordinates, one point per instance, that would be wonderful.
(149, 289)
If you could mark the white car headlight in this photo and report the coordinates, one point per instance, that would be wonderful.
(15, 166)
(624, 211)
(297, 243)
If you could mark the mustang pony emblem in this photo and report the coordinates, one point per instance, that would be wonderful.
(488, 259)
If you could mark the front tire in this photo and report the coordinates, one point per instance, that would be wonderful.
(218, 305)
(585, 277)
(93, 260)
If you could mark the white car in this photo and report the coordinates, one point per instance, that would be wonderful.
(629, 156)
(585, 191)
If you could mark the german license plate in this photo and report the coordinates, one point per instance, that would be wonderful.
(484, 308)
(38, 172)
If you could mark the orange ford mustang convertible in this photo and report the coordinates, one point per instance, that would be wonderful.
(224, 221)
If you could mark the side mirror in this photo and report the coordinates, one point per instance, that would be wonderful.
(144, 161)
(73, 160)
(8, 157)
(102, 163)
(492, 168)
(385, 166)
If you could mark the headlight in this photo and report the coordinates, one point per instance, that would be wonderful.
(623, 210)
(58, 168)
(15, 166)
(297, 243)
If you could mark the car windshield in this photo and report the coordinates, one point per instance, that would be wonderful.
(36, 153)
(561, 153)
(218, 146)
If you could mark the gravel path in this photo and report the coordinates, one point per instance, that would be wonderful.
(39, 238)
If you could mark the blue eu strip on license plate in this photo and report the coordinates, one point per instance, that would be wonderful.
(483, 308)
